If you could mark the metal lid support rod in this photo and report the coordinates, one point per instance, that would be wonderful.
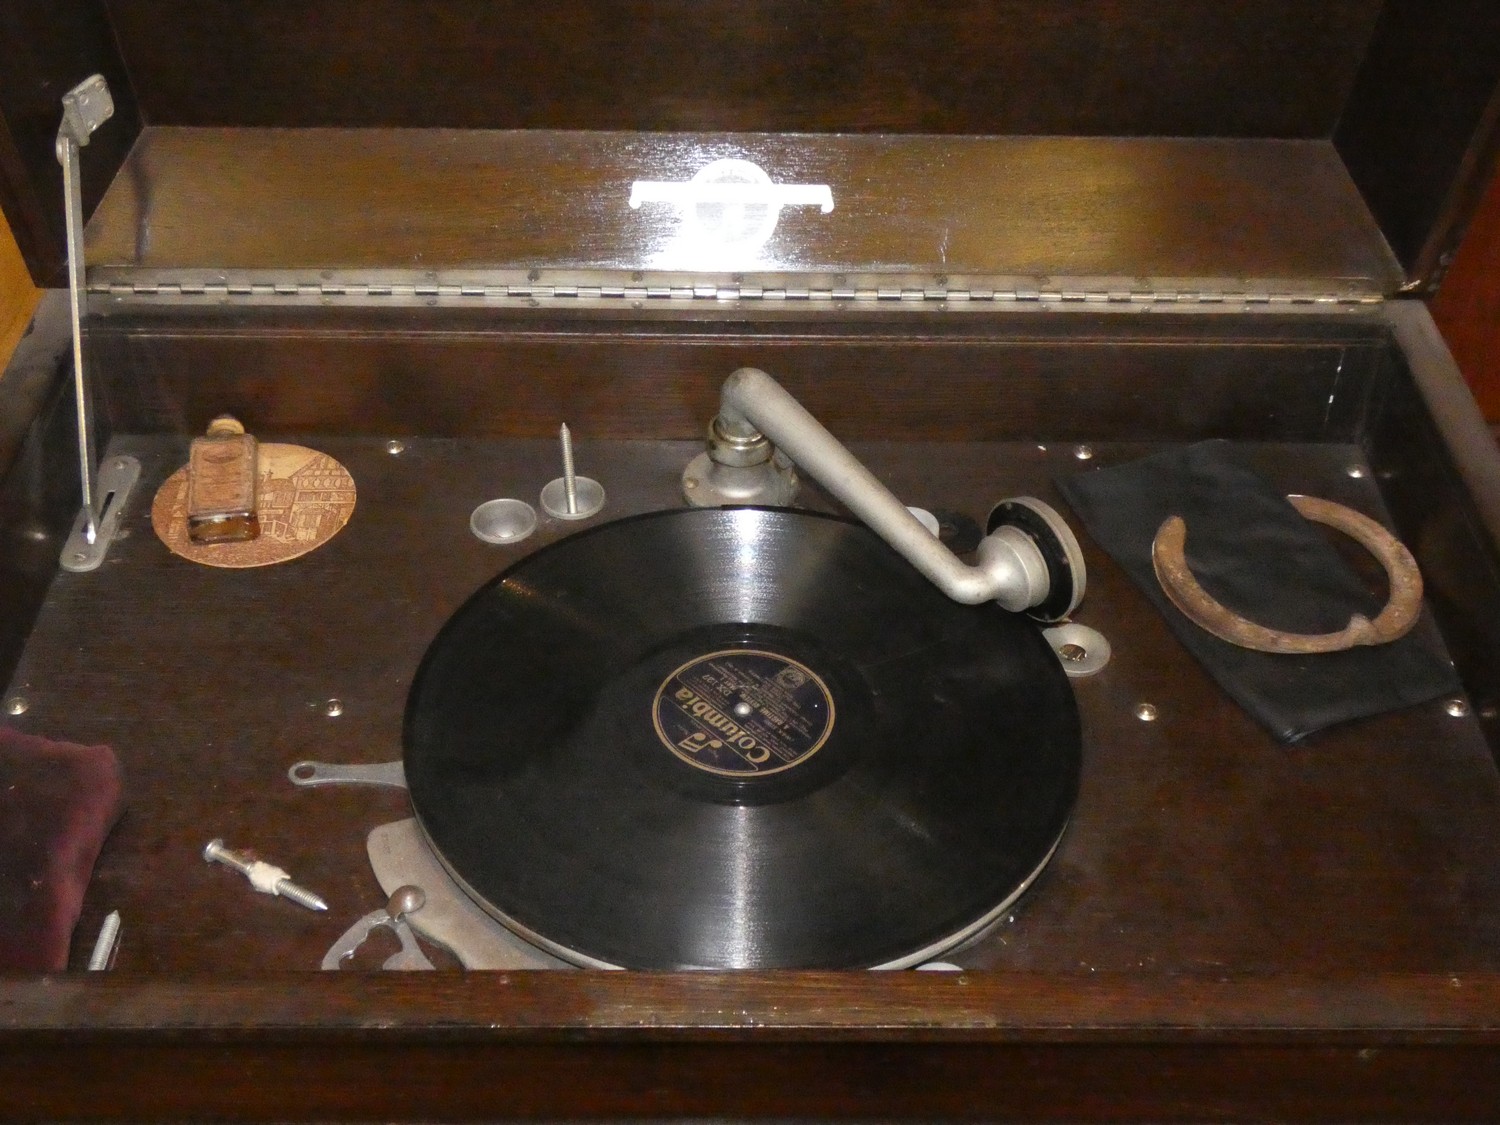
(1030, 560)
(86, 107)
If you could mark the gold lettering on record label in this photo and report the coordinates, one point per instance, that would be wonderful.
(304, 498)
(743, 713)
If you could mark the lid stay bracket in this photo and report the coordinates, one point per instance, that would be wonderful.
(86, 107)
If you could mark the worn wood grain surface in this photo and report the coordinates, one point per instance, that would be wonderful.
(1199, 844)
(1105, 213)
(1233, 68)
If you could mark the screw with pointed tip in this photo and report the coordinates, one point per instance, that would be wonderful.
(263, 877)
(570, 476)
(570, 496)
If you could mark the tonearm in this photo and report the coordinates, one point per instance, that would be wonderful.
(1029, 560)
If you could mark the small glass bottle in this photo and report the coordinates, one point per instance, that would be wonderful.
(221, 491)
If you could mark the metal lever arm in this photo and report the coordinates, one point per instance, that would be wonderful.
(85, 108)
(1014, 567)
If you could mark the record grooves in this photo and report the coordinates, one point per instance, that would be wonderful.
(738, 738)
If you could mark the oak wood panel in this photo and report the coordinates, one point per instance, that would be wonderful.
(18, 296)
(1270, 68)
(1127, 213)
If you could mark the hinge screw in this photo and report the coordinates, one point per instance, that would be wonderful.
(17, 704)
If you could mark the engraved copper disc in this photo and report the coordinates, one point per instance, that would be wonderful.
(305, 499)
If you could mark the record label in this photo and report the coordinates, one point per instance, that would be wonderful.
(743, 713)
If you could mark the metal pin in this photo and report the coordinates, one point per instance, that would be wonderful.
(263, 877)
(570, 479)
(571, 497)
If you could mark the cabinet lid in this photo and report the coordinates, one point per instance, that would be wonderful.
(1263, 146)
(351, 210)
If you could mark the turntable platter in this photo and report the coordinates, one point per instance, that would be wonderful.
(738, 738)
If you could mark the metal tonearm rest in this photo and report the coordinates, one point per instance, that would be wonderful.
(1029, 560)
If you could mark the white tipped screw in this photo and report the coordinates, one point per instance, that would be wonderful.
(266, 879)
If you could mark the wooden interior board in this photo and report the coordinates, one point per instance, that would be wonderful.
(1199, 844)
(657, 373)
(1233, 67)
(807, 1072)
(312, 206)
(1421, 129)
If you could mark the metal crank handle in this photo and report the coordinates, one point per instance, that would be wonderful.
(391, 774)
(392, 918)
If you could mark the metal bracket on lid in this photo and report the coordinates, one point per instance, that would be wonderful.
(86, 107)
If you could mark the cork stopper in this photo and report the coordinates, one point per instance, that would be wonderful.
(224, 425)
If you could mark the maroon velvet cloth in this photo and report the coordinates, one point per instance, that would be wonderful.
(58, 801)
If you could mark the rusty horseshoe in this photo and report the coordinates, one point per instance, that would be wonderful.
(1394, 621)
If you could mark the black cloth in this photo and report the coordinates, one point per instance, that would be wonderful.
(1253, 552)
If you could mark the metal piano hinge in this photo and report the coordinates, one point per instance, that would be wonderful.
(86, 107)
(266, 289)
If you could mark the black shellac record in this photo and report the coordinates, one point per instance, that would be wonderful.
(738, 738)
